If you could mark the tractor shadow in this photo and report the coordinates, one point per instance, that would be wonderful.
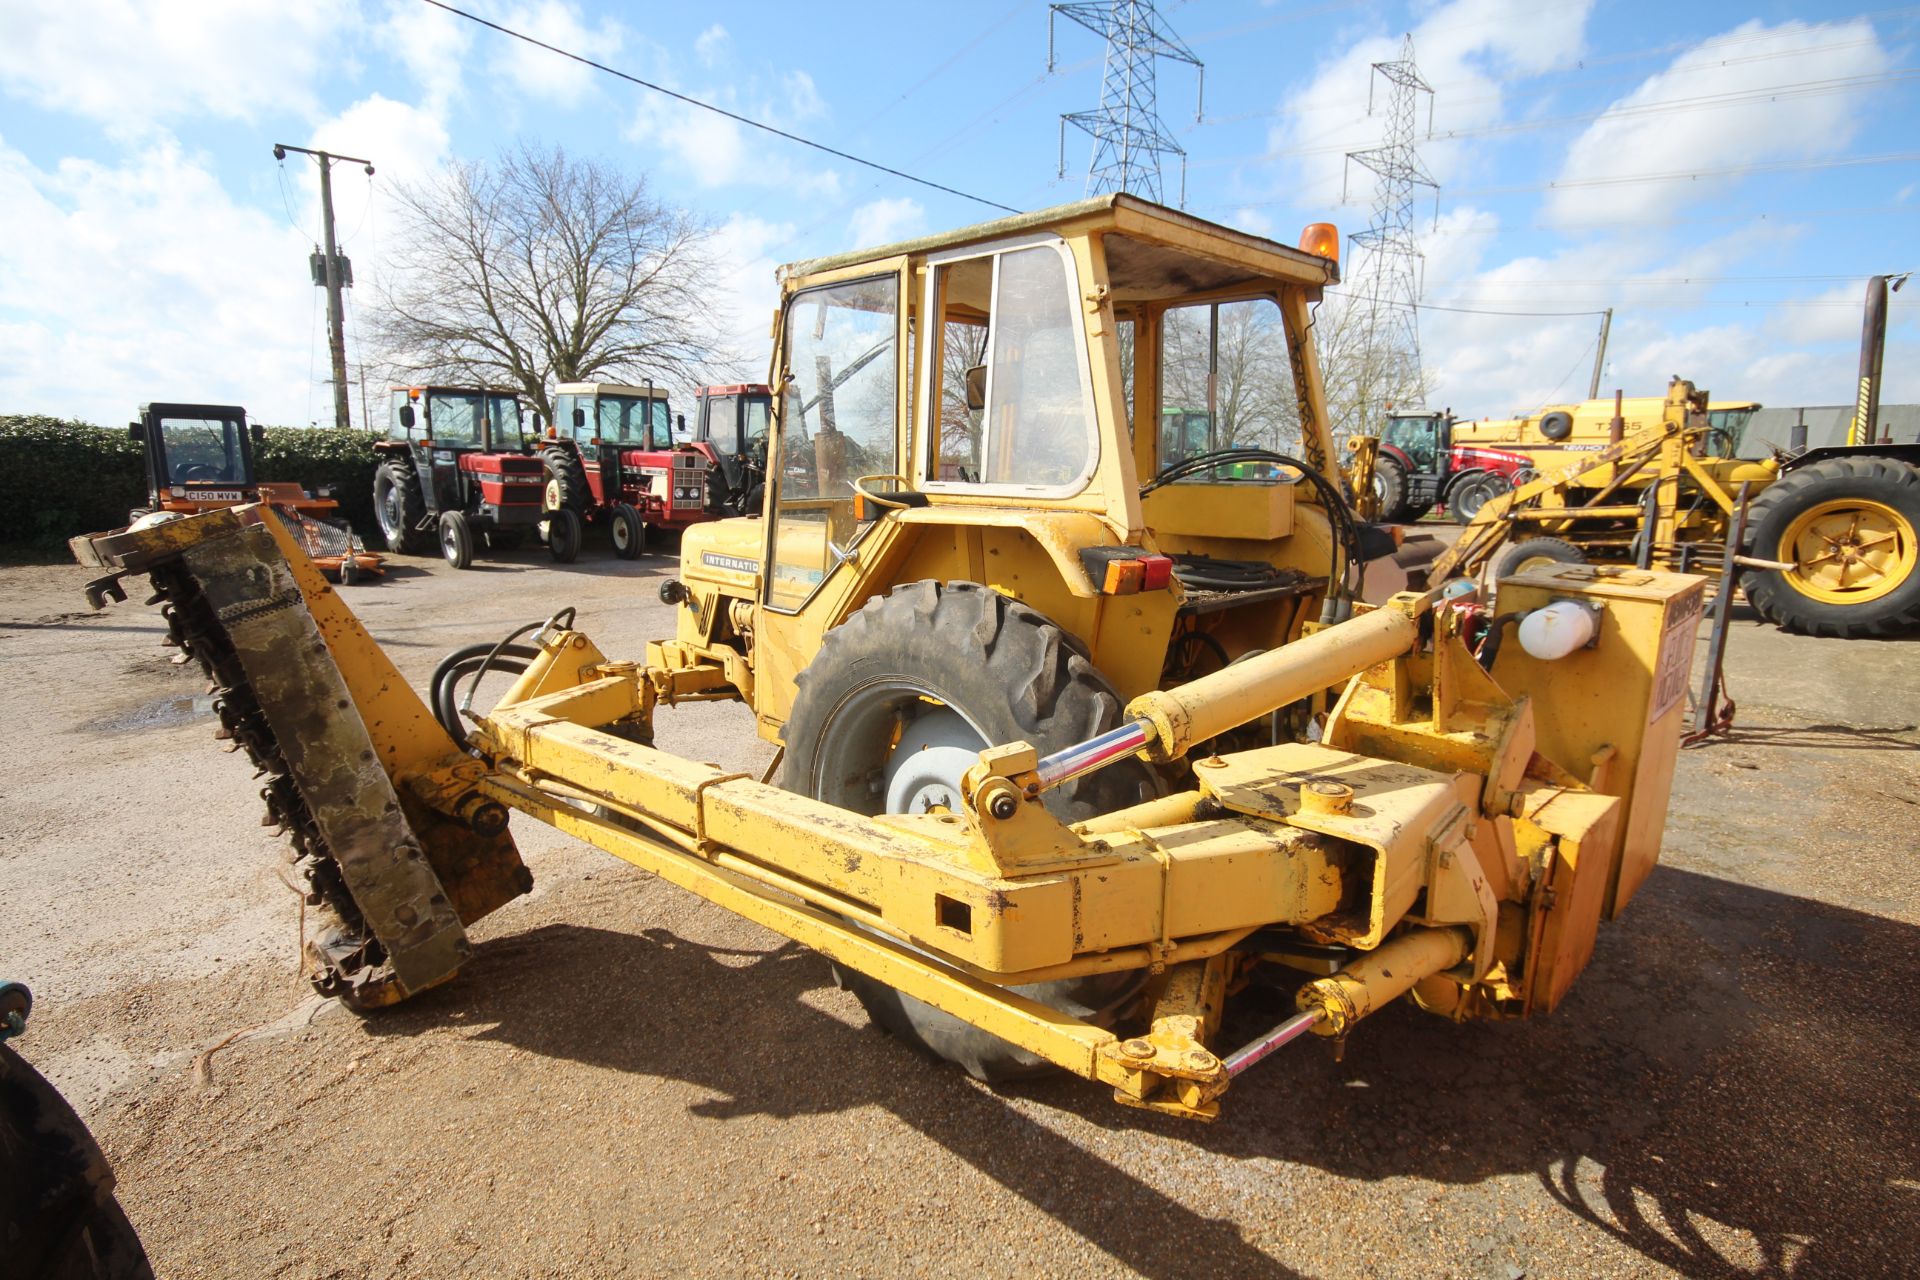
(1702, 1098)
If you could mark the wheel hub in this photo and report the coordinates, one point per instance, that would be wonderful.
(934, 753)
(1849, 551)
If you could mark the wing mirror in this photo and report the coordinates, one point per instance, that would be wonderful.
(579, 416)
(137, 430)
(977, 388)
(259, 433)
(406, 416)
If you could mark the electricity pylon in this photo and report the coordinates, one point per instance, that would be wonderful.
(1128, 138)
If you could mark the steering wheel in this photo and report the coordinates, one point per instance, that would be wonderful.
(199, 471)
(878, 499)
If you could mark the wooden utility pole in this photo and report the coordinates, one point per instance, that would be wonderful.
(1600, 356)
(332, 273)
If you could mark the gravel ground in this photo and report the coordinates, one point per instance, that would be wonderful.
(627, 1080)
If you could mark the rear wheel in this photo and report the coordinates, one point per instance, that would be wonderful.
(1849, 526)
(894, 709)
(629, 532)
(1532, 553)
(456, 539)
(566, 481)
(399, 505)
(1390, 488)
(564, 534)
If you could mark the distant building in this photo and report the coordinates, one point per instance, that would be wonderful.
(1772, 428)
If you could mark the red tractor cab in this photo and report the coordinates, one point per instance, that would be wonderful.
(1419, 467)
(611, 458)
(456, 463)
(730, 429)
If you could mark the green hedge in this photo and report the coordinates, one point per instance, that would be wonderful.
(59, 477)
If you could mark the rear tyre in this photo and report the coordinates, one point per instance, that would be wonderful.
(1390, 488)
(566, 481)
(399, 505)
(897, 704)
(1851, 525)
(564, 534)
(629, 532)
(456, 539)
(1532, 553)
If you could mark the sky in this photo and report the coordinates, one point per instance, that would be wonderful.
(1724, 176)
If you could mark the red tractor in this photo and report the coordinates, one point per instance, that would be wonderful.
(456, 463)
(730, 428)
(611, 458)
(1420, 467)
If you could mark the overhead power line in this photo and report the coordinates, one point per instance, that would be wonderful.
(735, 116)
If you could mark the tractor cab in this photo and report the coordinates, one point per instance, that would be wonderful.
(199, 457)
(197, 454)
(731, 427)
(1033, 405)
(1423, 438)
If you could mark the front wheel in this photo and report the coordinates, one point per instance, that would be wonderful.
(893, 710)
(629, 531)
(564, 534)
(1849, 527)
(1390, 489)
(456, 539)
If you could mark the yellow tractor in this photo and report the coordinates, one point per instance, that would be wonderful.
(1075, 746)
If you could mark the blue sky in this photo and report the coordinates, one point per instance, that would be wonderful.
(151, 248)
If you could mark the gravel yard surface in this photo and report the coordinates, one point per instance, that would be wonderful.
(629, 1081)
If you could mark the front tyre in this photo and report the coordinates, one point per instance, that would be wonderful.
(564, 535)
(456, 539)
(1390, 489)
(894, 708)
(1848, 526)
(629, 531)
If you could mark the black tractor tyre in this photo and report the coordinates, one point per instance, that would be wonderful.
(1886, 482)
(629, 531)
(567, 485)
(1467, 498)
(564, 535)
(58, 1214)
(400, 506)
(456, 539)
(1014, 676)
(1390, 486)
(1520, 553)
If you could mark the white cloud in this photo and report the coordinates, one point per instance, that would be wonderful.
(748, 250)
(434, 47)
(713, 46)
(1637, 137)
(130, 63)
(148, 282)
(884, 221)
(541, 73)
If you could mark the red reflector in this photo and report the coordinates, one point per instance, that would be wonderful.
(1155, 572)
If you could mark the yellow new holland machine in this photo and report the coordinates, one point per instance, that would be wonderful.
(1074, 747)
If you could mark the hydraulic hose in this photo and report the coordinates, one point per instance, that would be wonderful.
(443, 688)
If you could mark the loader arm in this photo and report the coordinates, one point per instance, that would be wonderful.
(1427, 844)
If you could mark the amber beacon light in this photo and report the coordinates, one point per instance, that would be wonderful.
(1322, 239)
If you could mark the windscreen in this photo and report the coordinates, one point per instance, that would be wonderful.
(204, 449)
(640, 420)
(1419, 438)
(455, 418)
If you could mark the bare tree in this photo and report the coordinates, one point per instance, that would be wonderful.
(543, 267)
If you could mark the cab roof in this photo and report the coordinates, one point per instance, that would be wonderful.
(649, 391)
(1160, 252)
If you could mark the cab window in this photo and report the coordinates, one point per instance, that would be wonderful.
(203, 449)
(837, 422)
(1226, 382)
(1013, 400)
(454, 418)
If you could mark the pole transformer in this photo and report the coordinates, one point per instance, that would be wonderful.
(332, 272)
